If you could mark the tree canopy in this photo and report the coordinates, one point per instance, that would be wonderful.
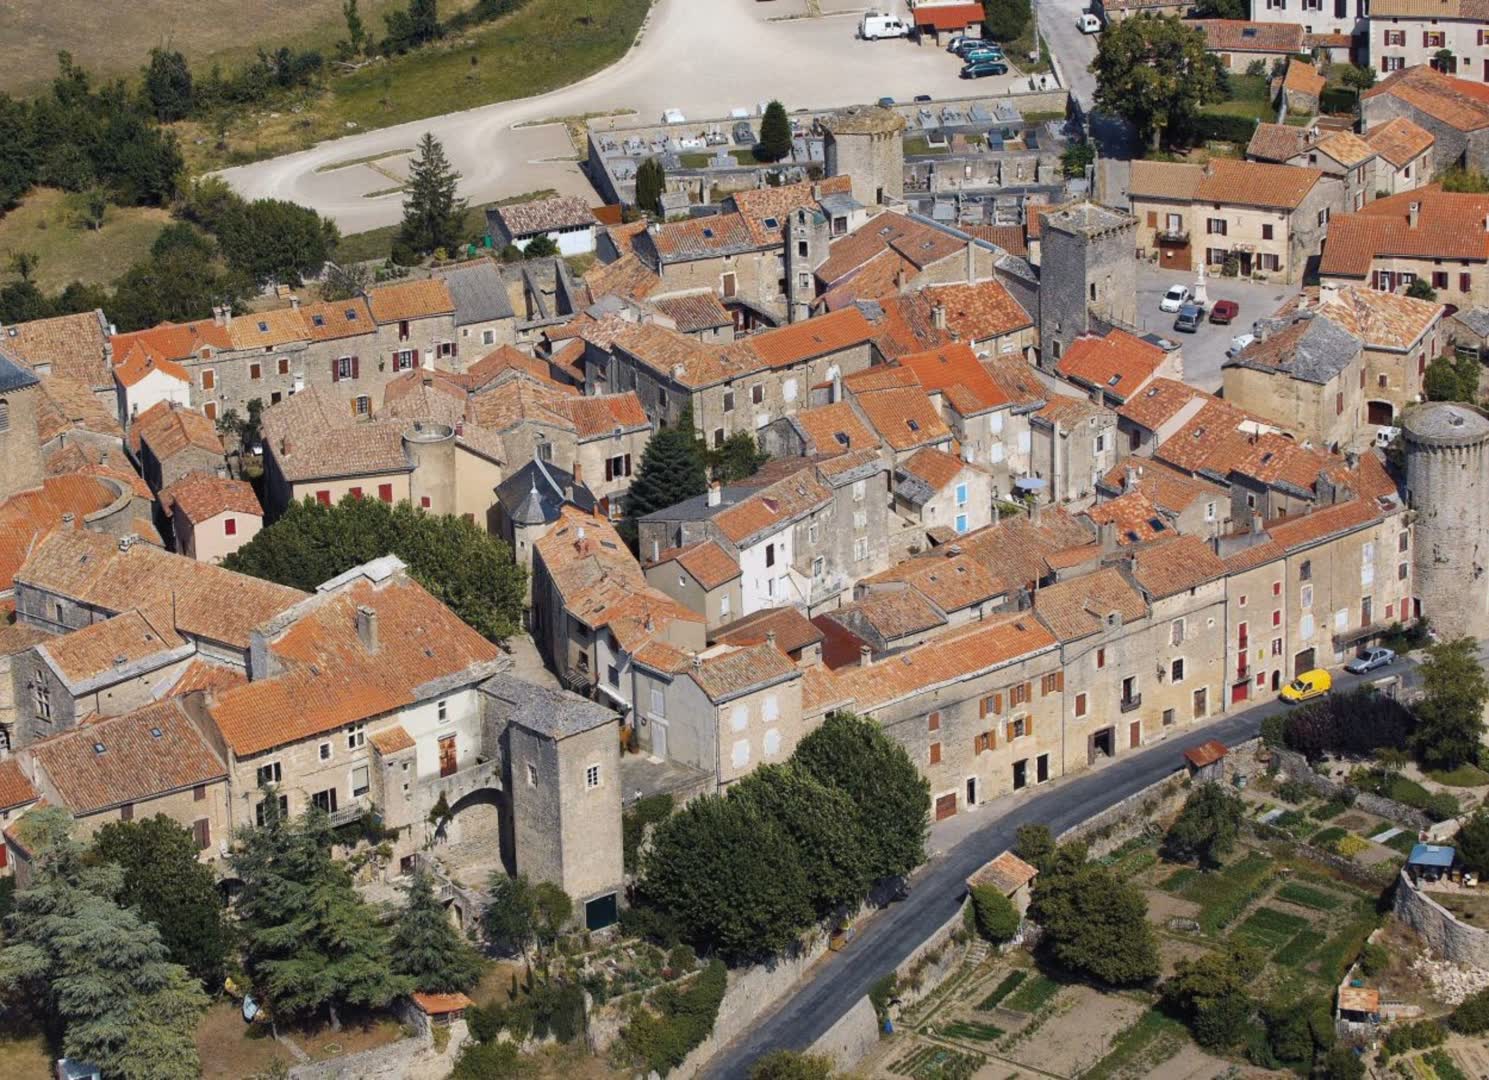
(775, 134)
(273, 240)
(1449, 379)
(1450, 715)
(168, 85)
(651, 181)
(431, 953)
(1094, 922)
(996, 917)
(1005, 20)
(1154, 72)
(463, 566)
(1212, 993)
(1208, 826)
(433, 213)
(1472, 843)
(672, 469)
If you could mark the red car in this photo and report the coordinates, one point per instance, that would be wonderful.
(1224, 311)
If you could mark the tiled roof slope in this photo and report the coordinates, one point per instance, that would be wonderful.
(73, 346)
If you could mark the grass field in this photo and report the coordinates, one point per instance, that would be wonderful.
(1463, 776)
(1248, 96)
(1307, 896)
(46, 223)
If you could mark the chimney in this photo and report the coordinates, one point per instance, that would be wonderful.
(1097, 397)
(1413, 212)
(938, 316)
(285, 447)
(294, 302)
(995, 512)
(864, 655)
(68, 518)
(367, 627)
(1131, 479)
(715, 493)
(770, 638)
(578, 474)
(1328, 292)
(811, 655)
(1034, 511)
(817, 192)
(1106, 532)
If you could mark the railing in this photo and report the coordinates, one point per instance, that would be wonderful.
(347, 814)
(1173, 236)
(1128, 704)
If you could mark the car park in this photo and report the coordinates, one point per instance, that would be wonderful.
(1224, 311)
(1369, 660)
(977, 56)
(967, 46)
(876, 25)
(983, 68)
(1190, 316)
(1176, 297)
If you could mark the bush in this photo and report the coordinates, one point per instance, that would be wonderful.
(1441, 806)
(1293, 791)
(633, 823)
(1418, 1035)
(1358, 722)
(1471, 1017)
(881, 992)
(997, 918)
(650, 924)
(682, 959)
(1272, 729)
(684, 1018)
(1209, 127)
(1374, 958)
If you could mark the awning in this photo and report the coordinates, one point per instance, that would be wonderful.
(625, 706)
(946, 16)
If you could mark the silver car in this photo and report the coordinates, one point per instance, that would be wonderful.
(1369, 660)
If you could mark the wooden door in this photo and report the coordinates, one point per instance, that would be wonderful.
(1135, 734)
(945, 806)
(447, 755)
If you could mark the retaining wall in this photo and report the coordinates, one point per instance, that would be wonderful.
(852, 1038)
(1295, 767)
(1443, 934)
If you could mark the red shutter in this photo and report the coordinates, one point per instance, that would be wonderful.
(385, 492)
(628, 464)
(356, 368)
(608, 474)
(335, 371)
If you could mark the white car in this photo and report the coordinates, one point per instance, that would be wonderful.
(674, 116)
(1176, 297)
(875, 25)
(1088, 23)
(1239, 342)
(1385, 436)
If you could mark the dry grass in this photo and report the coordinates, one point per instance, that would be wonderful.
(46, 223)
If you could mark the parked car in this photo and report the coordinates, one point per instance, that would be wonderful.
(886, 102)
(1089, 23)
(920, 98)
(876, 25)
(1385, 436)
(1176, 297)
(1224, 311)
(1239, 342)
(1309, 685)
(1190, 316)
(674, 116)
(1369, 660)
(977, 56)
(971, 45)
(983, 68)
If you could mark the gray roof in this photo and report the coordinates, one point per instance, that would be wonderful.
(555, 713)
(534, 494)
(912, 488)
(1442, 423)
(1475, 319)
(839, 205)
(479, 293)
(14, 375)
(697, 508)
(1316, 353)
(1088, 219)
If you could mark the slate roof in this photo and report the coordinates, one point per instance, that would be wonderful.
(543, 215)
(534, 494)
(557, 714)
(1313, 350)
(478, 291)
(14, 375)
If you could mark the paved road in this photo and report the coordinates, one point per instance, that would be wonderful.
(704, 58)
(885, 940)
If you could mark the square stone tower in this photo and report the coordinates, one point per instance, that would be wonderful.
(1087, 273)
(20, 448)
(807, 240)
(866, 143)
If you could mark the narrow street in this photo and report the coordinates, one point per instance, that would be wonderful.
(960, 845)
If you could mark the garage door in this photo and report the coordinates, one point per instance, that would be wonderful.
(945, 806)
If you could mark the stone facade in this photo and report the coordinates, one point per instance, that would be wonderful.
(20, 446)
(1447, 455)
(1086, 268)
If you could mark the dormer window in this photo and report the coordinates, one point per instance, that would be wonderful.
(318, 320)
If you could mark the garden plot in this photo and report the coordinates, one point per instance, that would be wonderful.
(1080, 1029)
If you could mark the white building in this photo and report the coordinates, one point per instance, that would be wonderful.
(565, 220)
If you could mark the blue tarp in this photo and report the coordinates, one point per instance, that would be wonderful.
(1431, 855)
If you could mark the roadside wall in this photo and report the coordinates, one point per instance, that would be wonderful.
(1444, 935)
(852, 1038)
(407, 1059)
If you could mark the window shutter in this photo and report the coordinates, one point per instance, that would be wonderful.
(1028, 725)
(356, 367)
(335, 371)
(1060, 680)
(982, 709)
(992, 739)
(1152, 219)
(628, 464)
(608, 474)
(998, 702)
(1008, 731)
(354, 406)
(1028, 692)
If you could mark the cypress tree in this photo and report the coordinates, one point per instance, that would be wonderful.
(433, 217)
(775, 134)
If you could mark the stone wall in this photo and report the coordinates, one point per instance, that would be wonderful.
(1443, 934)
(852, 1038)
(407, 1059)
(1295, 767)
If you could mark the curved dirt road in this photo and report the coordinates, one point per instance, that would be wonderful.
(704, 57)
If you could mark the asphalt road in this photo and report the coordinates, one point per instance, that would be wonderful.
(887, 938)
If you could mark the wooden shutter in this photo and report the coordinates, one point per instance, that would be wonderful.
(609, 475)
(1152, 219)
(202, 830)
(1028, 692)
(1008, 732)
(335, 371)
(935, 753)
(933, 721)
(1028, 725)
(628, 464)
(356, 367)
(982, 709)
(1060, 681)
(992, 739)
(998, 702)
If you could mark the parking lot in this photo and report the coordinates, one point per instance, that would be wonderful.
(1204, 350)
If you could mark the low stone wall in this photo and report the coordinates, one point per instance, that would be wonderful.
(407, 1059)
(1296, 768)
(932, 972)
(852, 1038)
(1443, 934)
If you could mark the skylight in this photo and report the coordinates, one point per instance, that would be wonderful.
(99, 748)
(708, 234)
(318, 320)
(351, 314)
(1114, 380)
(913, 425)
(263, 327)
(772, 223)
(842, 438)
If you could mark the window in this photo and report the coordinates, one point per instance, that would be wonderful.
(1176, 632)
(1276, 646)
(819, 566)
(1215, 226)
(355, 492)
(861, 549)
(532, 775)
(360, 781)
(1323, 217)
(356, 736)
(403, 360)
(728, 400)
(591, 777)
(269, 774)
(4, 415)
(230, 527)
(724, 606)
(935, 753)
(210, 410)
(261, 815)
(42, 695)
(385, 492)
(1439, 279)
(199, 793)
(961, 494)
(1403, 541)
(1266, 232)
(362, 405)
(209, 379)
(961, 523)
(1465, 282)
(1305, 571)
(1209, 511)
(859, 487)
(255, 371)
(488, 337)
(757, 393)
(933, 722)
(770, 554)
(1168, 717)
(442, 711)
(1019, 728)
(126, 812)
(1432, 39)
(1080, 704)
(284, 365)
(1395, 37)
(718, 438)
(1401, 571)
(201, 832)
(325, 751)
(612, 675)
(812, 532)
(1100, 658)
(324, 800)
(1305, 596)
(1176, 670)
(1277, 617)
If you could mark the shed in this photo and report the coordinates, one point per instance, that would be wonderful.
(1207, 760)
(1012, 877)
(1430, 862)
(442, 1009)
(1359, 1004)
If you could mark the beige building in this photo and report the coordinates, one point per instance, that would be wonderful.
(702, 577)
(1411, 33)
(1238, 43)
(1073, 443)
(1304, 373)
(211, 516)
(938, 494)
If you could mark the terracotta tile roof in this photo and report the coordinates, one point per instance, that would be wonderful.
(1007, 872)
(903, 417)
(1255, 183)
(502, 359)
(1135, 517)
(330, 678)
(1008, 237)
(68, 405)
(1078, 607)
(31, 514)
(880, 377)
(1206, 435)
(332, 319)
(1020, 549)
(569, 360)
(684, 359)
(200, 496)
(880, 278)
(168, 430)
(853, 462)
(393, 739)
(1276, 142)
(1345, 147)
(204, 676)
(105, 646)
(175, 341)
(1238, 35)
(793, 631)
(75, 346)
(1383, 228)
(980, 311)
(957, 654)
(935, 468)
(913, 242)
(710, 565)
(1174, 566)
(801, 341)
(1167, 487)
(209, 602)
(1165, 180)
(1399, 141)
(704, 238)
(603, 415)
(1327, 41)
(1119, 364)
(410, 300)
(1017, 379)
(905, 325)
(946, 16)
(15, 789)
(139, 362)
(954, 372)
(1381, 319)
(266, 329)
(730, 672)
(760, 206)
(313, 435)
(1303, 78)
(1434, 9)
(425, 395)
(1069, 411)
(1206, 753)
(772, 507)
(1249, 558)
(544, 215)
(627, 276)
(950, 581)
(134, 764)
(1160, 401)
(1304, 530)
(1456, 102)
(439, 1004)
(693, 312)
(17, 637)
(890, 613)
(835, 429)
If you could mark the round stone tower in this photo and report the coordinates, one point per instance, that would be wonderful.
(1447, 453)
(430, 449)
(866, 142)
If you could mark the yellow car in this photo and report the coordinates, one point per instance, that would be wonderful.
(1308, 685)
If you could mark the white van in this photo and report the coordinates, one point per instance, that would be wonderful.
(1088, 23)
(876, 25)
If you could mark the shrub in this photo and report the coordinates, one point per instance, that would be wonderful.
(1293, 791)
(1418, 1035)
(684, 1018)
(1358, 722)
(651, 924)
(1472, 1016)
(682, 959)
(1441, 806)
(1272, 727)
(881, 992)
(1374, 958)
(997, 918)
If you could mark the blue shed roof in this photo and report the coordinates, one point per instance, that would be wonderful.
(1431, 855)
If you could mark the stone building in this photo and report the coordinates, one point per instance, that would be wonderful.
(1454, 111)
(702, 577)
(1304, 373)
(864, 143)
(1073, 443)
(170, 442)
(211, 516)
(20, 446)
(1406, 34)
(1087, 275)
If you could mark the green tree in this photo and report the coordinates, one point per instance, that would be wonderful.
(540, 247)
(996, 917)
(272, 240)
(356, 31)
(1471, 1017)
(98, 970)
(820, 822)
(730, 877)
(1450, 715)
(1472, 843)
(1212, 993)
(24, 263)
(1421, 289)
(1220, 9)
(738, 458)
(1207, 828)
(95, 208)
(511, 914)
(1005, 20)
(792, 1065)
(1357, 77)
(1077, 157)
(167, 88)
(431, 953)
(1154, 72)
(775, 134)
(1469, 181)
(853, 754)
(1094, 922)
(345, 282)
(311, 943)
(1342, 1063)
(552, 910)
(462, 565)
(171, 889)
(181, 285)
(433, 213)
(412, 27)
(651, 182)
(1035, 845)
(671, 470)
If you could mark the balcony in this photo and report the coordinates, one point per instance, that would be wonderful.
(1172, 236)
(348, 814)
(1127, 704)
(1243, 671)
